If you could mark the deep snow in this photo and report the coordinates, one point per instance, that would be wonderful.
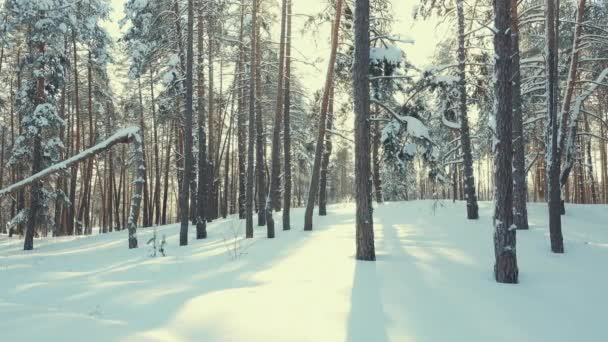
(432, 282)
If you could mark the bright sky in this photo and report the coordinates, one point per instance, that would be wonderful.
(308, 47)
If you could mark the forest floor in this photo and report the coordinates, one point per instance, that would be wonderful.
(432, 281)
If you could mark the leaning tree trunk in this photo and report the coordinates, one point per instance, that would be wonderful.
(363, 185)
(287, 128)
(505, 267)
(520, 209)
(465, 135)
(326, 156)
(314, 179)
(553, 158)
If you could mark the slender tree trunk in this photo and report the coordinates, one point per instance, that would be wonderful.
(185, 190)
(505, 267)
(376, 161)
(314, 179)
(363, 185)
(286, 127)
(275, 179)
(553, 158)
(469, 180)
(520, 210)
(163, 219)
(259, 125)
(326, 156)
(146, 207)
(201, 219)
(211, 200)
(242, 125)
(251, 138)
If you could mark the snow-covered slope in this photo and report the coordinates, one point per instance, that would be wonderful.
(432, 282)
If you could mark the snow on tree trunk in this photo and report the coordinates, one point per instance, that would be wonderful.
(505, 267)
(363, 185)
(469, 180)
(520, 210)
(553, 158)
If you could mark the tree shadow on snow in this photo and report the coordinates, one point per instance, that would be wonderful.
(367, 320)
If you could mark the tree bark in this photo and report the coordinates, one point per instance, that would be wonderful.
(505, 267)
(202, 194)
(363, 185)
(259, 125)
(185, 190)
(251, 137)
(469, 180)
(553, 157)
(520, 190)
(326, 156)
(275, 179)
(287, 127)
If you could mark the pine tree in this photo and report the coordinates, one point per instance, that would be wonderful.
(505, 267)
(552, 158)
(313, 190)
(363, 186)
(188, 165)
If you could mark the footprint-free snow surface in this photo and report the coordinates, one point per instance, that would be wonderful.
(432, 281)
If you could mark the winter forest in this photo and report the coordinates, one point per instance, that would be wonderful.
(303, 170)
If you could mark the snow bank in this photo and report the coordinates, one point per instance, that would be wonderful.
(432, 282)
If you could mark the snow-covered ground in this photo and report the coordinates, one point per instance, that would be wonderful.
(432, 282)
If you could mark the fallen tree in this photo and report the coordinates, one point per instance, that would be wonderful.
(129, 135)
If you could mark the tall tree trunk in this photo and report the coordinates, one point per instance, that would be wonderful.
(242, 124)
(505, 267)
(363, 185)
(163, 218)
(201, 219)
(376, 161)
(469, 180)
(251, 137)
(146, 207)
(259, 125)
(520, 210)
(326, 156)
(157, 170)
(553, 157)
(286, 127)
(314, 179)
(590, 173)
(36, 195)
(211, 200)
(185, 190)
(275, 179)
(74, 170)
